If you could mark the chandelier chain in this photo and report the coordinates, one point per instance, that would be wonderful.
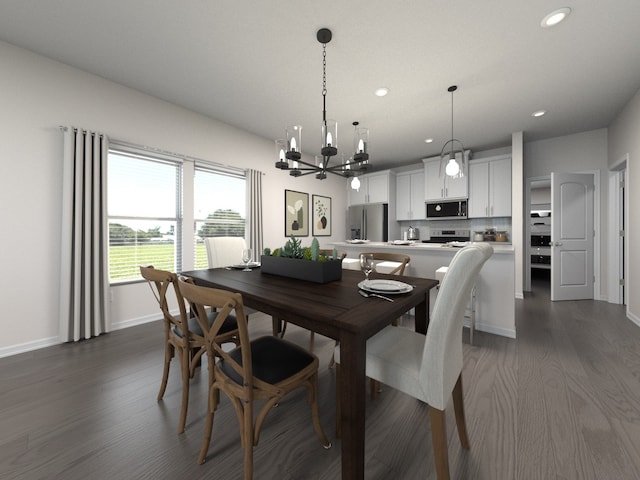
(324, 69)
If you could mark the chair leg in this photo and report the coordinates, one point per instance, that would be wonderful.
(458, 407)
(248, 440)
(439, 440)
(185, 370)
(208, 426)
(312, 337)
(168, 355)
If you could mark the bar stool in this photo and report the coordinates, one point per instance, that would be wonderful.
(470, 311)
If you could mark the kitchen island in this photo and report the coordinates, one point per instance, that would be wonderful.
(495, 288)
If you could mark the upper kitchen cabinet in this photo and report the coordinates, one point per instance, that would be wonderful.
(410, 196)
(439, 186)
(374, 188)
(490, 187)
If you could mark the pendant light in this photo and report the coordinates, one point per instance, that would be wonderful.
(452, 149)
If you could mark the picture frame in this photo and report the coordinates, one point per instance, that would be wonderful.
(321, 223)
(296, 213)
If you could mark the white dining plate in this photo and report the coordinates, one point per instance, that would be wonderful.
(385, 286)
(402, 242)
(250, 265)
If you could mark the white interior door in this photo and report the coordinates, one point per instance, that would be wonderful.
(572, 236)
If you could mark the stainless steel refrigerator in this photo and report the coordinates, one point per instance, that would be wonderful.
(368, 222)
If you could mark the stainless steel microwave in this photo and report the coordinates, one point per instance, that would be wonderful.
(447, 210)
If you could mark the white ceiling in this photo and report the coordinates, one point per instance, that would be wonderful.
(257, 64)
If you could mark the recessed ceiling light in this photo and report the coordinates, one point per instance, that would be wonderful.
(381, 92)
(538, 113)
(428, 140)
(555, 17)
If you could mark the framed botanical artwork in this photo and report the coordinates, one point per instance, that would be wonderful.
(296, 213)
(321, 208)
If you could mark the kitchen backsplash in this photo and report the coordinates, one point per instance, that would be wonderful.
(471, 224)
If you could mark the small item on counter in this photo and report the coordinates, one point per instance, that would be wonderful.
(501, 236)
(478, 236)
(490, 235)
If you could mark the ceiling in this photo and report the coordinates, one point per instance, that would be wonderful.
(258, 66)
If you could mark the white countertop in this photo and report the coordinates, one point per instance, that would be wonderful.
(498, 247)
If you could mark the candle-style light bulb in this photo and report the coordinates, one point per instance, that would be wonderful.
(329, 139)
(293, 144)
(281, 155)
(360, 146)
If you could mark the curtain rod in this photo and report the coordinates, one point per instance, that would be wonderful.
(164, 152)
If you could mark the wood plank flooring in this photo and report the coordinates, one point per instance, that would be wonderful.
(560, 402)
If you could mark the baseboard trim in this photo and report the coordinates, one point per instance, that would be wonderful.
(503, 332)
(49, 342)
(28, 347)
(633, 318)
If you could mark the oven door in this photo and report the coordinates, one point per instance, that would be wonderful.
(540, 240)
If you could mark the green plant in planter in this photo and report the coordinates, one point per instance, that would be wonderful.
(294, 249)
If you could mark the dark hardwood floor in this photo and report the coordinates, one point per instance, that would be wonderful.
(562, 401)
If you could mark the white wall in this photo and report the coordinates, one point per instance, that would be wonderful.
(624, 138)
(37, 95)
(582, 152)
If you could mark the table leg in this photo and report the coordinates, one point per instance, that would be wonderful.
(352, 401)
(276, 326)
(422, 316)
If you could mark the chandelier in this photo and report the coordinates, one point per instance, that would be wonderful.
(449, 151)
(289, 150)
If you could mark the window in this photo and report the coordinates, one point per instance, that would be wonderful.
(147, 221)
(219, 207)
(144, 196)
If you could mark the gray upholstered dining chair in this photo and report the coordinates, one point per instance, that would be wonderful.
(262, 370)
(429, 367)
(224, 251)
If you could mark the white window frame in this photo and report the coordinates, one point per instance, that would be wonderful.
(185, 231)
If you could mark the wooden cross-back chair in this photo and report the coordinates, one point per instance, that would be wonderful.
(264, 369)
(183, 335)
(402, 260)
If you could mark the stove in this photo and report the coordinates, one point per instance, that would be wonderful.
(445, 236)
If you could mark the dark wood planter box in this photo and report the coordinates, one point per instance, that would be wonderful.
(318, 272)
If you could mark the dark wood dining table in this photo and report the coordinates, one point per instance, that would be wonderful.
(338, 311)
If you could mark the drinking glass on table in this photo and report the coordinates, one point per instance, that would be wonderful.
(247, 254)
(366, 264)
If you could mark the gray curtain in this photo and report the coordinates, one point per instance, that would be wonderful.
(84, 272)
(255, 212)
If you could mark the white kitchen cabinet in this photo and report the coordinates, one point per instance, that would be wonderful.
(439, 187)
(374, 188)
(490, 187)
(410, 196)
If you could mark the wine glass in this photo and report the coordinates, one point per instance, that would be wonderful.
(366, 265)
(247, 254)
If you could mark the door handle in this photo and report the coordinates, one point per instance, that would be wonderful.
(557, 244)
